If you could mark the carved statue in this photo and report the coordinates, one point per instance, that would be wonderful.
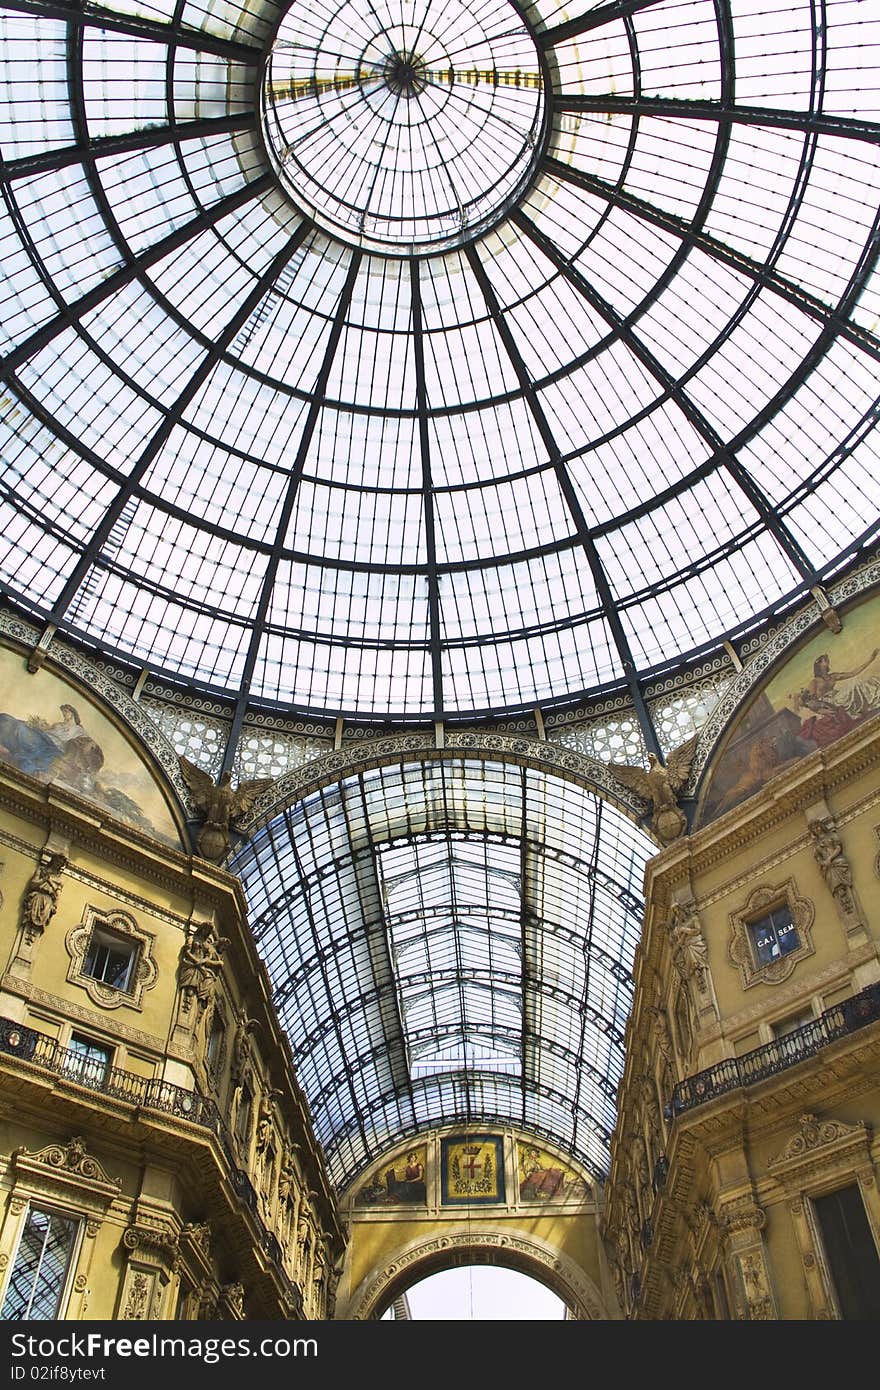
(833, 864)
(222, 806)
(690, 954)
(660, 1032)
(201, 961)
(41, 896)
(266, 1118)
(660, 785)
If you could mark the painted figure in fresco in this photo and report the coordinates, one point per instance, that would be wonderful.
(862, 698)
(539, 1183)
(60, 749)
(387, 1189)
(831, 712)
(763, 763)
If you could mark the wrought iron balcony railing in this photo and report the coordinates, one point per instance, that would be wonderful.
(97, 1075)
(776, 1056)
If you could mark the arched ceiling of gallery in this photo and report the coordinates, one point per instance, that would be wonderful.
(423, 362)
(451, 942)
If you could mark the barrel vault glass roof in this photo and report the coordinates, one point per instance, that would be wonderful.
(451, 941)
(411, 360)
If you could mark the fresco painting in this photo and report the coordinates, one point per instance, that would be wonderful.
(472, 1169)
(544, 1178)
(52, 732)
(829, 687)
(399, 1183)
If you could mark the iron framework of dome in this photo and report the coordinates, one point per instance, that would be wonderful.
(411, 364)
(601, 395)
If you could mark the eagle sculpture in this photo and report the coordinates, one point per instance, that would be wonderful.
(660, 785)
(222, 806)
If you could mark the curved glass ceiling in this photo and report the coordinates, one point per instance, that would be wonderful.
(425, 360)
(403, 126)
(451, 941)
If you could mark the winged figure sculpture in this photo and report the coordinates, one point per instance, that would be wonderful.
(221, 804)
(660, 784)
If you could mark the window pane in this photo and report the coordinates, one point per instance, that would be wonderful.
(88, 1061)
(37, 1280)
(109, 960)
(774, 935)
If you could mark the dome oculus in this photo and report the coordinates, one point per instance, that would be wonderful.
(408, 131)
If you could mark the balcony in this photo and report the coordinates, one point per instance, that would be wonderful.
(150, 1093)
(777, 1056)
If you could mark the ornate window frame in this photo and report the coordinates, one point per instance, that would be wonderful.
(740, 947)
(144, 973)
(823, 1156)
(61, 1177)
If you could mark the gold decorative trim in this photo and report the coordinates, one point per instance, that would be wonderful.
(740, 947)
(121, 924)
(69, 1162)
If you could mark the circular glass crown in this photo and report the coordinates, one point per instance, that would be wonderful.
(404, 129)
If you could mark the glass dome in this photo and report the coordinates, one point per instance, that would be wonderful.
(421, 361)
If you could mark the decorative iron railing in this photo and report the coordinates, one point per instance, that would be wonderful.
(96, 1074)
(776, 1056)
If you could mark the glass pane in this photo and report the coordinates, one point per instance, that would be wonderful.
(37, 1279)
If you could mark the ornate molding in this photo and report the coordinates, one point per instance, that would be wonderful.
(145, 973)
(69, 1165)
(579, 1291)
(66, 1008)
(124, 895)
(742, 1214)
(349, 760)
(818, 1138)
(740, 947)
(157, 1241)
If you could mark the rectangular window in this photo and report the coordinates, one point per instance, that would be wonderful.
(216, 1038)
(773, 936)
(87, 1061)
(851, 1252)
(785, 1026)
(36, 1284)
(243, 1115)
(110, 959)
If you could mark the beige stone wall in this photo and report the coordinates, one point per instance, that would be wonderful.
(229, 1214)
(730, 1213)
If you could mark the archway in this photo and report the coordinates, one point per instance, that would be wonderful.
(484, 1244)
